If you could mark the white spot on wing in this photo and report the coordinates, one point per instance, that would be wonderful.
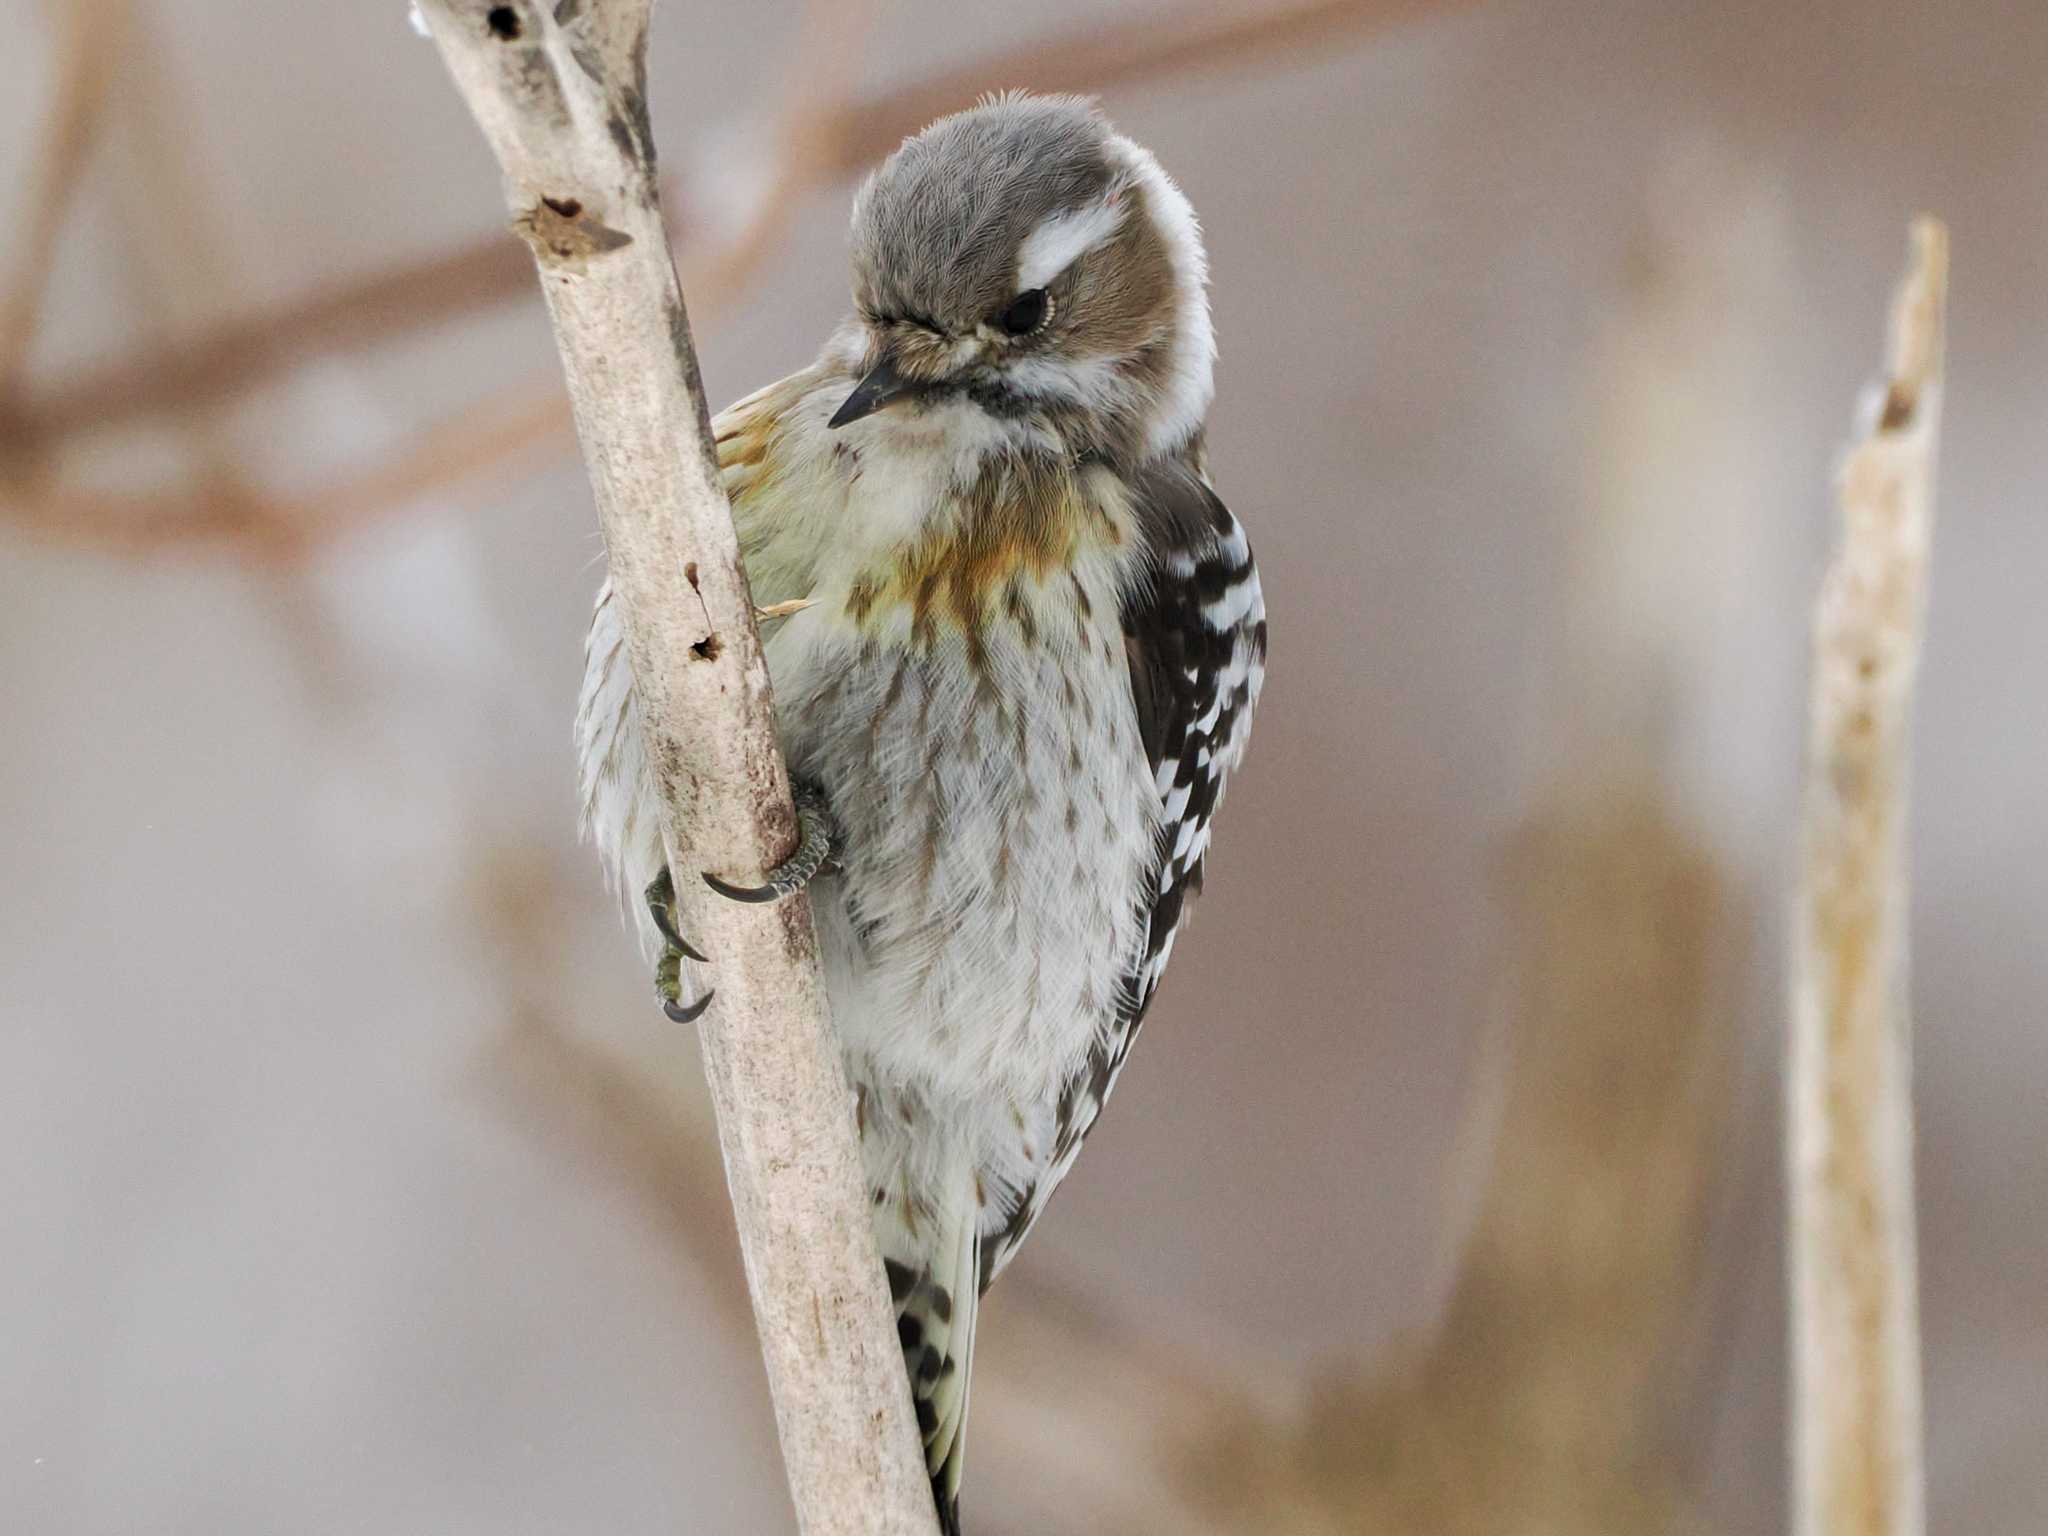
(1232, 606)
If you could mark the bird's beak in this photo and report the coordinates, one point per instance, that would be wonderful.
(882, 385)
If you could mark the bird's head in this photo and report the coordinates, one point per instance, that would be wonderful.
(1023, 260)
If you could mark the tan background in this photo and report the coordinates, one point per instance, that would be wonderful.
(1540, 326)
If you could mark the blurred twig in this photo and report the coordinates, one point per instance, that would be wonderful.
(613, 1118)
(1542, 1404)
(492, 436)
(240, 354)
(1123, 52)
(86, 56)
(822, 138)
(1855, 1327)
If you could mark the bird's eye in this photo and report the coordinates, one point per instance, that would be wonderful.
(1027, 312)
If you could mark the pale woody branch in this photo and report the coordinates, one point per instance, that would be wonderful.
(559, 90)
(1855, 1334)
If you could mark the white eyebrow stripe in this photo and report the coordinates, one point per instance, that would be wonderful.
(1061, 240)
(1192, 382)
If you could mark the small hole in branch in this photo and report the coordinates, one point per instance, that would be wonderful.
(706, 649)
(1899, 402)
(503, 22)
(567, 207)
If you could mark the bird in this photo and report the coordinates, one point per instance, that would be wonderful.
(1019, 643)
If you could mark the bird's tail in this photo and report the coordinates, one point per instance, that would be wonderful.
(934, 1262)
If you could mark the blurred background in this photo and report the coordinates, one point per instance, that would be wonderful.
(350, 1179)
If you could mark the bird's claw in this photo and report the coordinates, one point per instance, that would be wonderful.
(679, 1013)
(661, 905)
(668, 970)
(662, 908)
(813, 852)
(668, 988)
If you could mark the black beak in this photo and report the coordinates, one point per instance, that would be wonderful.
(882, 385)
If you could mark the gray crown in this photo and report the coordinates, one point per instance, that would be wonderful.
(936, 229)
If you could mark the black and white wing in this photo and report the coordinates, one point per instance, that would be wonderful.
(1197, 642)
(1194, 625)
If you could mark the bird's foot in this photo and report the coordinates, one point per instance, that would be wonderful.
(815, 850)
(668, 970)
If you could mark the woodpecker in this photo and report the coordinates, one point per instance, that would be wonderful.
(1027, 667)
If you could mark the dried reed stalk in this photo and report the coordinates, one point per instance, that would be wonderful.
(1857, 1465)
(559, 91)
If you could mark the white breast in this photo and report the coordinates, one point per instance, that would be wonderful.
(1000, 822)
(999, 817)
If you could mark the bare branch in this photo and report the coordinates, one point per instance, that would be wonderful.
(563, 105)
(1856, 1351)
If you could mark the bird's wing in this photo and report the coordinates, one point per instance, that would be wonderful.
(769, 460)
(1196, 634)
(1194, 624)
(758, 440)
